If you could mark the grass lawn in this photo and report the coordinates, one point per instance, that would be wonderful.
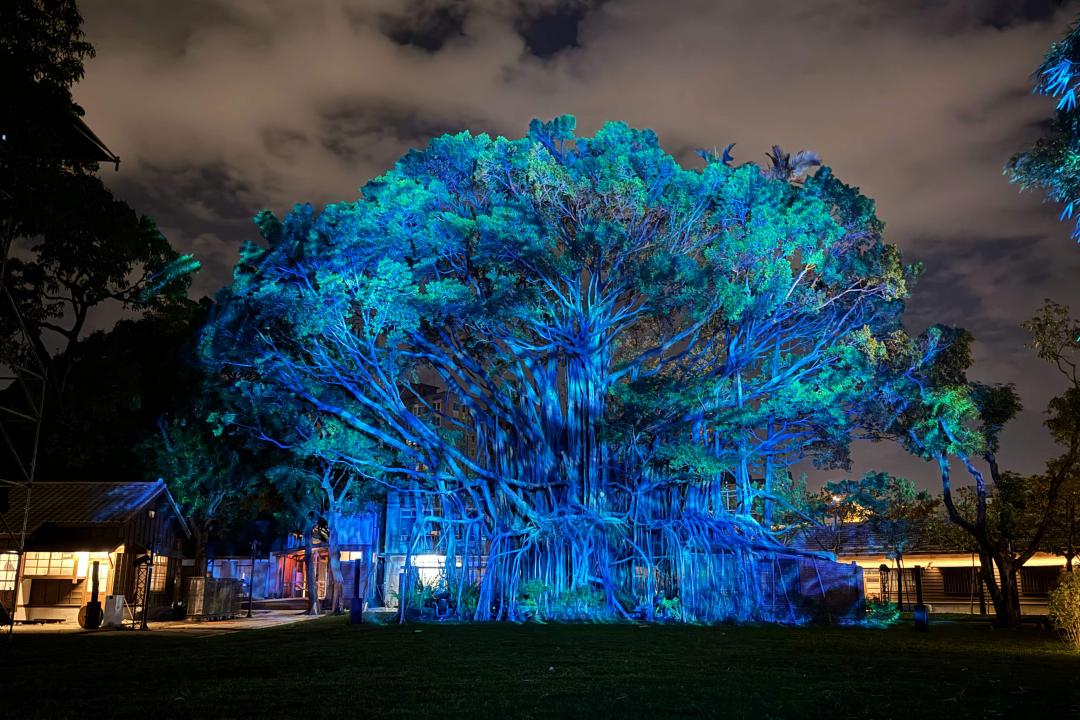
(325, 668)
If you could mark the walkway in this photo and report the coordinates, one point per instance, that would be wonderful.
(260, 619)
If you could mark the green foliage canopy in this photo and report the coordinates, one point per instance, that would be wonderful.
(618, 335)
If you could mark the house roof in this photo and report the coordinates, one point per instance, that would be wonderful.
(82, 144)
(83, 503)
(860, 538)
(70, 137)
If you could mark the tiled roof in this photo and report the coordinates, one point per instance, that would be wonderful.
(859, 538)
(80, 503)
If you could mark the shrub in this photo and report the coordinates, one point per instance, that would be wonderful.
(668, 608)
(579, 603)
(470, 598)
(881, 613)
(1064, 608)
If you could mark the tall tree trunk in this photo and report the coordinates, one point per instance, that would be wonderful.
(1007, 604)
(1003, 590)
(899, 584)
(335, 580)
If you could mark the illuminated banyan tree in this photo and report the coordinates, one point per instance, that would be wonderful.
(636, 353)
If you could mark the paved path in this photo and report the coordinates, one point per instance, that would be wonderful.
(260, 619)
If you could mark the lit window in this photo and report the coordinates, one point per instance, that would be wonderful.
(161, 572)
(86, 565)
(8, 563)
(49, 564)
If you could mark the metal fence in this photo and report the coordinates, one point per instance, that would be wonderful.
(213, 598)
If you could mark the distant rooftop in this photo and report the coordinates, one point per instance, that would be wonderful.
(859, 538)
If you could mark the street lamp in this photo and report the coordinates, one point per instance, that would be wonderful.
(149, 566)
(251, 576)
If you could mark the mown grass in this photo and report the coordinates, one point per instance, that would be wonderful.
(325, 668)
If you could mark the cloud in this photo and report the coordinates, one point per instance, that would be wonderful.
(221, 107)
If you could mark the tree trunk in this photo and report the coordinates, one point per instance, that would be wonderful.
(899, 584)
(1008, 608)
(335, 580)
(310, 571)
(1004, 590)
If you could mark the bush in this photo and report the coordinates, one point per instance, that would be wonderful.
(470, 598)
(580, 603)
(881, 613)
(668, 608)
(1064, 608)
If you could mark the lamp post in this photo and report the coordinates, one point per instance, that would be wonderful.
(356, 611)
(149, 567)
(922, 616)
(251, 576)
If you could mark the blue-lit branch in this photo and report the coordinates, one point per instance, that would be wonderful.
(588, 367)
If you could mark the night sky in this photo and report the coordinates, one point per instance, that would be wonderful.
(219, 108)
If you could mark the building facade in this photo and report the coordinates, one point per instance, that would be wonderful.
(950, 578)
(73, 525)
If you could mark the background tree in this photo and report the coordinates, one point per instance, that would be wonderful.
(209, 476)
(1063, 536)
(623, 340)
(119, 384)
(1055, 336)
(929, 405)
(834, 511)
(892, 507)
(299, 507)
(1052, 164)
(42, 51)
(69, 248)
(319, 465)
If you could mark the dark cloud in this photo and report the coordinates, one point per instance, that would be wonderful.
(550, 30)
(222, 107)
(1003, 14)
(425, 24)
(546, 27)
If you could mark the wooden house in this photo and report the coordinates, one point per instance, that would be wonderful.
(950, 578)
(72, 525)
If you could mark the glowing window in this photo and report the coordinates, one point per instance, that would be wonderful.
(49, 564)
(8, 563)
(85, 567)
(161, 572)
